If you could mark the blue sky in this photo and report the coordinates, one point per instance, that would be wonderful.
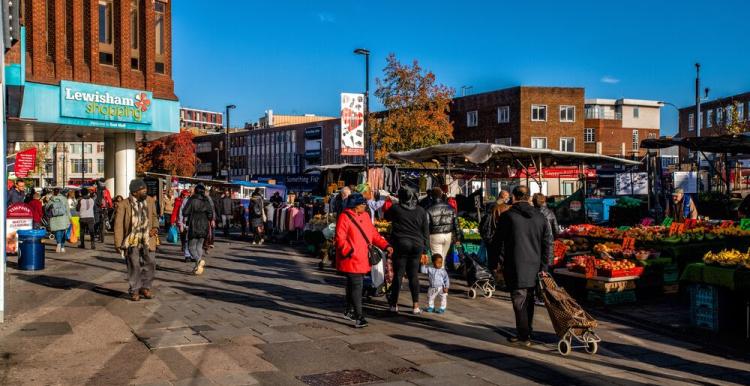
(295, 57)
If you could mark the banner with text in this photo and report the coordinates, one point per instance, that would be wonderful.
(25, 162)
(352, 124)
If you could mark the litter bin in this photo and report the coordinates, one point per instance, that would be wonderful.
(31, 249)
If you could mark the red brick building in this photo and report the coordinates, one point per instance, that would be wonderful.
(120, 43)
(715, 115)
(617, 127)
(536, 117)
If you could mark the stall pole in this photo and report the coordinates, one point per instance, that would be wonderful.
(727, 174)
(582, 167)
(648, 179)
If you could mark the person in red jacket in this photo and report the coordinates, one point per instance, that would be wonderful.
(351, 252)
(36, 211)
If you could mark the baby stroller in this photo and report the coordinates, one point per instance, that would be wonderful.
(568, 318)
(478, 277)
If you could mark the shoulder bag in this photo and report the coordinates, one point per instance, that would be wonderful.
(374, 254)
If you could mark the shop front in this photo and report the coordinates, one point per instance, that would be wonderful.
(75, 111)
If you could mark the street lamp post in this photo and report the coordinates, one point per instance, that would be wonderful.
(217, 163)
(226, 143)
(366, 53)
(83, 161)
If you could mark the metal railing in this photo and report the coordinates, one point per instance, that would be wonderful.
(598, 114)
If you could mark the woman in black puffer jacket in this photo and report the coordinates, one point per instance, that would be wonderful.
(198, 213)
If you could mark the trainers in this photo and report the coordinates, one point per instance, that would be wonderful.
(516, 340)
(416, 311)
(199, 267)
(349, 315)
(394, 309)
(147, 293)
(429, 309)
(62, 249)
(440, 310)
(360, 323)
(57, 248)
(261, 243)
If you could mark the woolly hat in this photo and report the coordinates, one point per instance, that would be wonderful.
(136, 185)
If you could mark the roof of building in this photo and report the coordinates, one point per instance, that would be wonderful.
(622, 101)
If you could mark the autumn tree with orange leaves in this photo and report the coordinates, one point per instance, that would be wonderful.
(416, 110)
(173, 155)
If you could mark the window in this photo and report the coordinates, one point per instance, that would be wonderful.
(720, 114)
(88, 148)
(50, 13)
(503, 114)
(567, 113)
(691, 121)
(588, 135)
(567, 144)
(134, 34)
(538, 112)
(472, 118)
(100, 166)
(636, 112)
(740, 111)
(100, 148)
(160, 9)
(728, 114)
(636, 142)
(567, 188)
(75, 166)
(709, 117)
(538, 142)
(106, 47)
(504, 141)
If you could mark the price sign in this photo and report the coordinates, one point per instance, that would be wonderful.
(667, 222)
(745, 223)
(676, 228)
(726, 223)
(623, 228)
(628, 243)
(560, 249)
(648, 221)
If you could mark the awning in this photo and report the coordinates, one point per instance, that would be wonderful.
(728, 143)
(481, 153)
(324, 168)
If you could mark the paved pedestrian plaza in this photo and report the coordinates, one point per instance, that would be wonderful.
(267, 315)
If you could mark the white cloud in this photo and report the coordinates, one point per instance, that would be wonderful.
(325, 17)
(609, 79)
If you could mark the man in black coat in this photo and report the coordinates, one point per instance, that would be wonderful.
(525, 245)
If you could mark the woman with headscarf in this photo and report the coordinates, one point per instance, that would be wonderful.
(410, 223)
(354, 234)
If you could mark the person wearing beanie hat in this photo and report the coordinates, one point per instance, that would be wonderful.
(681, 207)
(136, 226)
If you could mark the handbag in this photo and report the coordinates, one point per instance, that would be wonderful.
(374, 254)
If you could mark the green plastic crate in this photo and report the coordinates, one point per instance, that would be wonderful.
(611, 298)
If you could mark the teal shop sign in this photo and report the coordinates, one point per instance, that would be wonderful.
(91, 101)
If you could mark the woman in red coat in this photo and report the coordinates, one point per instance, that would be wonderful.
(351, 252)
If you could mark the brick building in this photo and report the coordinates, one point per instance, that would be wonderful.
(210, 151)
(201, 121)
(715, 116)
(93, 71)
(536, 117)
(616, 127)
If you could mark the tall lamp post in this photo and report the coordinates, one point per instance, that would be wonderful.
(226, 142)
(83, 161)
(366, 53)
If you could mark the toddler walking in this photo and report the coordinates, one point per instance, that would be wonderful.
(439, 284)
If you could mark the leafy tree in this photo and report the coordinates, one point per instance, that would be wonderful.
(174, 155)
(735, 125)
(417, 109)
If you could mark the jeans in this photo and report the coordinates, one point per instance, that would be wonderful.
(354, 294)
(60, 236)
(440, 243)
(195, 246)
(184, 241)
(87, 226)
(141, 266)
(225, 222)
(523, 307)
(406, 262)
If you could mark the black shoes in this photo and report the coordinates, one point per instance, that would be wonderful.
(349, 315)
(361, 323)
(516, 340)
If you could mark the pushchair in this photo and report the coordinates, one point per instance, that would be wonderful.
(478, 277)
(568, 318)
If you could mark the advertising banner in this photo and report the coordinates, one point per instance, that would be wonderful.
(688, 181)
(352, 124)
(18, 217)
(92, 101)
(631, 183)
(25, 162)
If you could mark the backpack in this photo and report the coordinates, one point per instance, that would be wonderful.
(57, 209)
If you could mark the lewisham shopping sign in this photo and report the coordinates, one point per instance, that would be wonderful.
(91, 101)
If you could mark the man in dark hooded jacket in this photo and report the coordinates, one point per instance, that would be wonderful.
(540, 202)
(525, 245)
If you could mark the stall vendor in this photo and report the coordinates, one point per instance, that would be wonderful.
(682, 207)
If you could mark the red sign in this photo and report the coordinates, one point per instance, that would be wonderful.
(19, 210)
(677, 228)
(25, 162)
(553, 172)
(575, 206)
(628, 243)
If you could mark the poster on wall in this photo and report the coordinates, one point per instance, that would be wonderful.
(352, 124)
(631, 183)
(688, 181)
(18, 217)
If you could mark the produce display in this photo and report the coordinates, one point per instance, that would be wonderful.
(703, 231)
(615, 250)
(728, 258)
(591, 266)
(471, 235)
(576, 244)
(467, 224)
(383, 226)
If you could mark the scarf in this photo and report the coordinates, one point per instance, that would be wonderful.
(139, 226)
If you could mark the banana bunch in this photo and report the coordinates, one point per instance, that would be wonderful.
(732, 231)
(727, 257)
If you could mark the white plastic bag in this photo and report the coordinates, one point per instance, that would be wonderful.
(377, 273)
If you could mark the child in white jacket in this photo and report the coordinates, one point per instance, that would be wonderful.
(439, 283)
